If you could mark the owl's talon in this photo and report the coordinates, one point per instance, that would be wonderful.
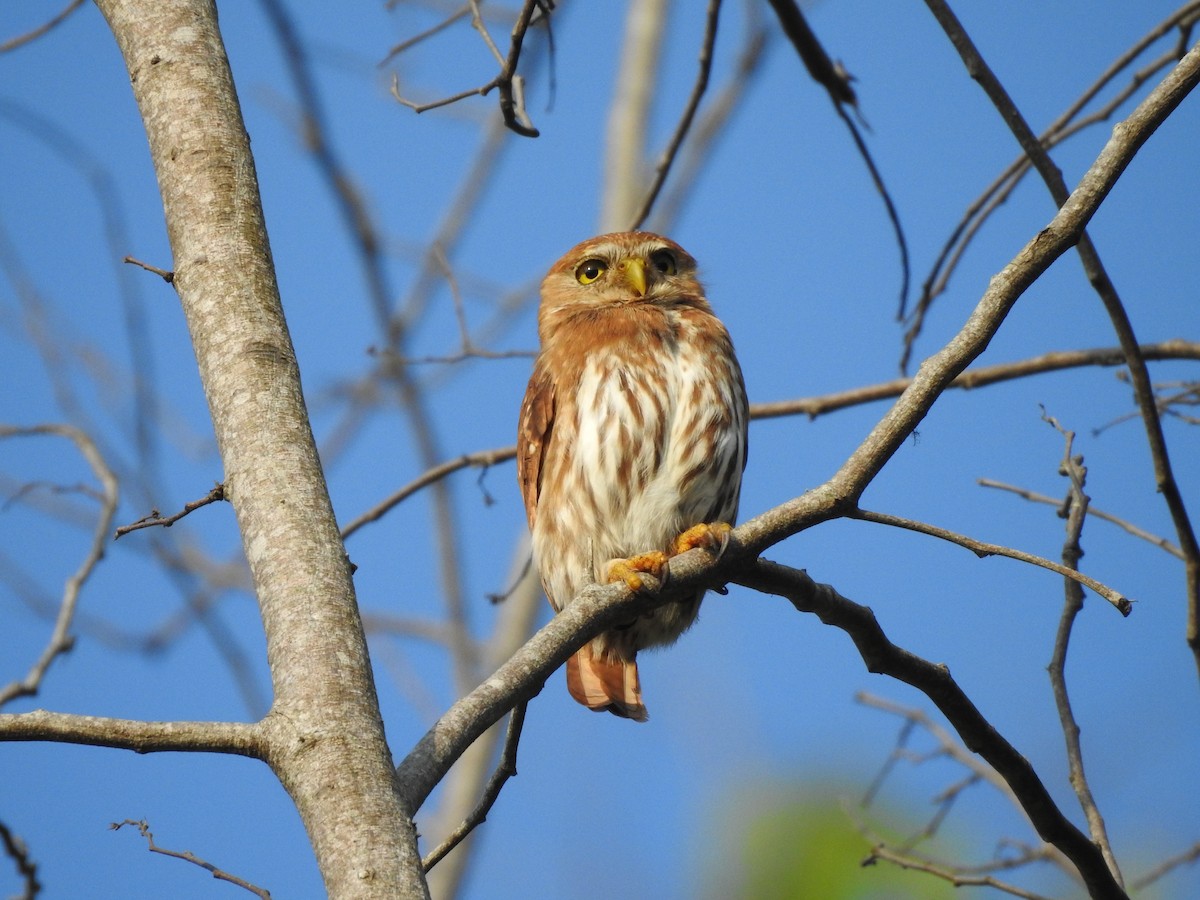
(631, 570)
(711, 537)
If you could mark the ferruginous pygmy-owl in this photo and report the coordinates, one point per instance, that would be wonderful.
(632, 441)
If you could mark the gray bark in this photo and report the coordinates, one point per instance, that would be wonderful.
(324, 736)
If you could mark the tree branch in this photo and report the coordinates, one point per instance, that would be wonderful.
(883, 657)
(505, 769)
(1034, 497)
(822, 405)
(238, 738)
(1186, 75)
(1064, 127)
(984, 549)
(33, 34)
(61, 639)
(16, 850)
(324, 739)
(685, 120)
(1076, 506)
(188, 856)
(938, 371)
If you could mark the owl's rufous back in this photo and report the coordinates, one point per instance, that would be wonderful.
(632, 441)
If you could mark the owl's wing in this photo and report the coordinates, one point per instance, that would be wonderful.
(533, 437)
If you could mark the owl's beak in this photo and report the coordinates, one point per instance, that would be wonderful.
(634, 272)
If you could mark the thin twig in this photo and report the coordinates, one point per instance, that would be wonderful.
(1076, 506)
(1064, 127)
(164, 274)
(951, 748)
(833, 77)
(456, 16)
(1166, 867)
(685, 120)
(35, 33)
(1164, 476)
(907, 861)
(888, 204)
(826, 403)
(187, 855)
(1035, 497)
(431, 476)
(507, 83)
(984, 549)
(156, 519)
(505, 769)
(61, 640)
(712, 123)
(836, 81)
(18, 851)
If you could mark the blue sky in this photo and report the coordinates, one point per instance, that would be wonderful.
(800, 263)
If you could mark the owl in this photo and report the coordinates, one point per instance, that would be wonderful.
(631, 444)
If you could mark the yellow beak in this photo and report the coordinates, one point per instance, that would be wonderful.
(634, 272)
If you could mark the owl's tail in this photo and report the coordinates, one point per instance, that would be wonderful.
(603, 685)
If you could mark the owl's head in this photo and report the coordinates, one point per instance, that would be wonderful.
(631, 267)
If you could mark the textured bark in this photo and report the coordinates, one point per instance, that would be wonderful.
(324, 736)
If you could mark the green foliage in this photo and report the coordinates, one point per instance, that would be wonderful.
(801, 843)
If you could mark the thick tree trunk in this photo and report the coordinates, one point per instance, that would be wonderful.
(324, 736)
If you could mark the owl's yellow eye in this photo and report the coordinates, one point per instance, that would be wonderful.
(589, 270)
(663, 261)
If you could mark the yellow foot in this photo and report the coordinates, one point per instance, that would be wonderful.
(631, 570)
(712, 537)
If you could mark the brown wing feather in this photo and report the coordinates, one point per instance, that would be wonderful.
(533, 437)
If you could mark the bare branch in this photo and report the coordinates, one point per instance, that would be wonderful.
(1064, 127)
(888, 205)
(237, 738)
(1076, 506)
(156, 519)
(712, 123)
(685, 120)
(1035, 497)
(18, 852)
(505, 769)
(983, 549)
(1167, 866)
(827, 403)
(1163, 473)
(978, 772)
(164, 274)
(908, 861)
(482, 459)
(32, 35)
(456, 16)
(61, 640)
(935, 681)
(188, 856)
(835, 79)
(508, 83)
